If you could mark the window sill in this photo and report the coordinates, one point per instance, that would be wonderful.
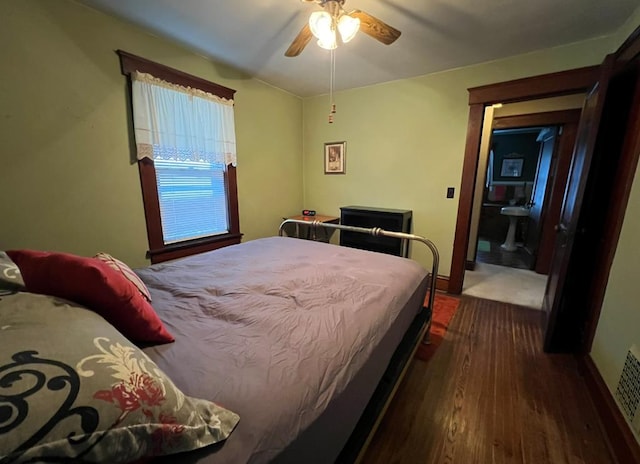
(192, 247)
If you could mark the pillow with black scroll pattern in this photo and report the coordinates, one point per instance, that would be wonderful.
(73, 389)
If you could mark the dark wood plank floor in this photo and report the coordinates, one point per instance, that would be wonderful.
(490, 395)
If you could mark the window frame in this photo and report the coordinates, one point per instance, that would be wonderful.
(158, 250)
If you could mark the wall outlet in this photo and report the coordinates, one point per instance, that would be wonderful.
(450, 192)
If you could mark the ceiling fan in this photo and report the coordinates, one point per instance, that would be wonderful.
(324, 24)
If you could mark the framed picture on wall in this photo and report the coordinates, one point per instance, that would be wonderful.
(512, 167)
(334, 157)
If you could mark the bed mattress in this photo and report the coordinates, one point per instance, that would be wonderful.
(292, 335)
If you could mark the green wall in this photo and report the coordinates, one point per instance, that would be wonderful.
(619, 324)
(405, 140)
(66, 172)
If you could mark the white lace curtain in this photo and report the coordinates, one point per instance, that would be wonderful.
(181, 123)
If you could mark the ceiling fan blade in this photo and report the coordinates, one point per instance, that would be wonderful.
(376, 28)
(301, 41)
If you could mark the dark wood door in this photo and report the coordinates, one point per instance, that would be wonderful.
(559, 172)
(567, 227)
(537, 202)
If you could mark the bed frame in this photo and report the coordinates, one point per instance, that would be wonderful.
(418, 332)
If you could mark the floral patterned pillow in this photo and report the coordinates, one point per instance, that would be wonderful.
(72, 388)
(10, 277)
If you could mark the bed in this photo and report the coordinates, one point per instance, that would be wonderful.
(293, 345)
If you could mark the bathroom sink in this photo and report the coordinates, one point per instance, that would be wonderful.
(514, 211)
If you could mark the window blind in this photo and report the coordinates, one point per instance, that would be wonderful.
(192, 198)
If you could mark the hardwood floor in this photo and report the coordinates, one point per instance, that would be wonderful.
(490, 395)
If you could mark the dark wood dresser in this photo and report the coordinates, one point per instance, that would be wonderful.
(396, 220)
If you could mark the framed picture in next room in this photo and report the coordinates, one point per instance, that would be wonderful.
(334, 157)
(511, 167)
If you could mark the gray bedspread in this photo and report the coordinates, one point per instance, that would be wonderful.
(274, 329)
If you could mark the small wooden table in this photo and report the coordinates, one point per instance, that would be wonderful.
(313, 233)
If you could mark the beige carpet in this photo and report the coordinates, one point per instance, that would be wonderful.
(506, 284)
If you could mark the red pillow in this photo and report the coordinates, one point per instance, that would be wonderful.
(94, 284)
(127, 272)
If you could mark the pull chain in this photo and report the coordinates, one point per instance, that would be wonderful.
(332, 79)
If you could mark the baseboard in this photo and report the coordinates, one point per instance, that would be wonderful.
(621, 440)
(442, 283)
(470, 265)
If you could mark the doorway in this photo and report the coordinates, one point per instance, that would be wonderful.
(523, 165)
(516, 174)
(517, 170)
(480, 98)
(586, 241)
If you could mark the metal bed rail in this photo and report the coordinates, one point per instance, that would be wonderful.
(378, 232)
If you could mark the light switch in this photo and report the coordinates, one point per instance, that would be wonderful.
(450, 192)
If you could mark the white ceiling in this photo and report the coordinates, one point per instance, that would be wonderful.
(252, 35)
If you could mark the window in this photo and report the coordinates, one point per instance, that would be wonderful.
(192, 199)
(185, 141)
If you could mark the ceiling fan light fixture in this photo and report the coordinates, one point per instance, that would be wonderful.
(325, 26)
(348, 27)
(321, 24)
(329, 42)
